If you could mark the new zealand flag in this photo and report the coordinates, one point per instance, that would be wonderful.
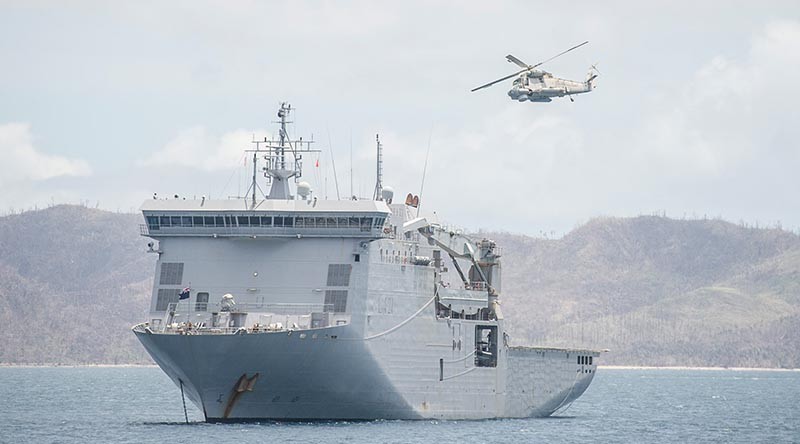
(184, 294)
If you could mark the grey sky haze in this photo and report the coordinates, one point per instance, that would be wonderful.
(695, 111)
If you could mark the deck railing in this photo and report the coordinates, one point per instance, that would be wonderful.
(277, 308)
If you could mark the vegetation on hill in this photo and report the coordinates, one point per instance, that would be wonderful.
(73, 281)
(655, 291)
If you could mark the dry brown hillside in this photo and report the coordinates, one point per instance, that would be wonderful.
(657, 291)
(72, 282)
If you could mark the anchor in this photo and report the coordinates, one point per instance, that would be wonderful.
(244, 384)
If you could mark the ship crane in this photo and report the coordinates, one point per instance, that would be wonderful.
(459, 246)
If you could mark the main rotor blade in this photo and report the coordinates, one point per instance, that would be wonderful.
(560, 54)
(500, 80)
(516, 61)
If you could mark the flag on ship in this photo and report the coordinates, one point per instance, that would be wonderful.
(185, 293)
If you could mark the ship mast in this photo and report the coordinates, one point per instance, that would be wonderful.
(379, 180)
(278, 171)
(276, 168)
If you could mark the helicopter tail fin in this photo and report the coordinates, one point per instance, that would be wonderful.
(591, 83)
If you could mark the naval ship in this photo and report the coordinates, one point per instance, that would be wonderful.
(287, 306)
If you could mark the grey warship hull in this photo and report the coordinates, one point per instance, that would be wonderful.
(336, 377)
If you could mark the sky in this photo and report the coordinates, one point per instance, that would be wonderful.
(694, 115)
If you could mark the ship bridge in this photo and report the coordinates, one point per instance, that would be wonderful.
(270, 218)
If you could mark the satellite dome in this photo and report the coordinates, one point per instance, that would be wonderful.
(387, 194)
(228, 303)
(303, 189)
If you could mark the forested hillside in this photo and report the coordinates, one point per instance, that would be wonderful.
(73, 281)
(655, 291)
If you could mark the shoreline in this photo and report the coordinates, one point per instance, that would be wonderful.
(8, 365)
(600, 367)
(734, 369)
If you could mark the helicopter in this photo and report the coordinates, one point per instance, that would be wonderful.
(536, 85)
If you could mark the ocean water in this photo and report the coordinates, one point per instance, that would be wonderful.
(140, 405)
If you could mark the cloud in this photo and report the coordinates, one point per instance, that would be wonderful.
(729, 112)
(22, 162)
(499, 173)
(195, 148)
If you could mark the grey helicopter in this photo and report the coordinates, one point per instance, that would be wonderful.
(536, 85)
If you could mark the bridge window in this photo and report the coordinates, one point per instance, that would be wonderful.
(152, 222)
(232, 221)
(201, 302)
(283, 221)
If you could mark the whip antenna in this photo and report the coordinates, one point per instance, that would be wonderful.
(425, 169)
(333, 162)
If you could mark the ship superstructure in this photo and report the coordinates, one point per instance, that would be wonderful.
(287, 306)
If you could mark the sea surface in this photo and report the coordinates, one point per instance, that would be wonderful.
(140, 405)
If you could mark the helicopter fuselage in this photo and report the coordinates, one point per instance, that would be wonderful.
(542, 87)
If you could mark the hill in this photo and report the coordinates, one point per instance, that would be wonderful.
(655, 291)
(72, 282)
(658, 291)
